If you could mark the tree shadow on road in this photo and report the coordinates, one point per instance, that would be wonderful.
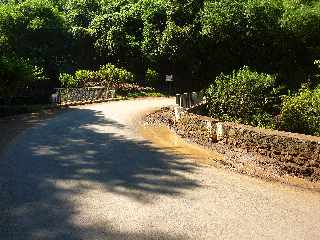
(74, 150)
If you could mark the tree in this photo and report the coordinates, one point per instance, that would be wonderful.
(17, 74)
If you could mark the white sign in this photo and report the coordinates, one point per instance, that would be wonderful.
(169, 78)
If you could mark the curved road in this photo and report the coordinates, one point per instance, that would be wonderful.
(86, 174)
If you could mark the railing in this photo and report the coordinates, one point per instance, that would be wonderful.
(89, 94)
(188, 100)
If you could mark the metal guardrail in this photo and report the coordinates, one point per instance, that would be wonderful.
(188, 100)
(67, 95)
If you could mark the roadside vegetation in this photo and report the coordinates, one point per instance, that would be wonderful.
(301, 112)
(255, 58)
(248, 97)
(245, 96)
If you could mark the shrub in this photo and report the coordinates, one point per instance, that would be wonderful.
(107, 75)
(302, 21)
(111, 74)
(17, 74)
(86, 77)
(263, 120)
(152, 77)
(67, 80)
(134, 90)
(245, 96)
(301, 112)
(317, 63)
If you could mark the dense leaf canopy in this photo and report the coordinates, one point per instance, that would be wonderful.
(195, 40)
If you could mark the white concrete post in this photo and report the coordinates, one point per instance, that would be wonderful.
(185, 100)
(178, 112)
(178, 99)
(209, 126)
(220, 131)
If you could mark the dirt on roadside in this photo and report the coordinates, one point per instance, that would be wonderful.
(159, 130)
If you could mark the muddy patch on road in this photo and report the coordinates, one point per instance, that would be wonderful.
(164, 138)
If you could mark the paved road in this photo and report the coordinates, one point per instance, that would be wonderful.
(86, 174)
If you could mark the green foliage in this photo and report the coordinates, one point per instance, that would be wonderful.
(245, 96)
(85, 76)
(263, 120)
(152, 77)
(118, 33)
(67, 80)
(108, 75)
(144, 94)
(80, 13)
(111, 74)
(302, 20)
(222, 18)
(133, 90)
(34, 29)
(191, 39)
(301, 112)
(17, 74)
(317, 75)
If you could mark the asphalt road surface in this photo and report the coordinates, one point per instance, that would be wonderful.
(87, 174)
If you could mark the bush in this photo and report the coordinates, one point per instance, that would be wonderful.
(108, 75)
(67, 80)
(17, 74)
(263, 120)
(302, 21)
(152, 77)
(134, 90)
(86, 77)
(245, 96)
(301, 112)
(317, 63)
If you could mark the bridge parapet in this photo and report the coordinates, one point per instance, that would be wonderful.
(88, 94)
(189, 100)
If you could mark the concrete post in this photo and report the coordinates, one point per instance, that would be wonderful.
(209, 126)
(189, 100)
(54, 98)
(113, 93)
(185, 100)
(220, 131)
(194, 98)
(177, 113)
(178, 99)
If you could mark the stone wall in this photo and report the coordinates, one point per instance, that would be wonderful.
(77, 95)
(289, 153)
(295, 154)
(201, 130)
